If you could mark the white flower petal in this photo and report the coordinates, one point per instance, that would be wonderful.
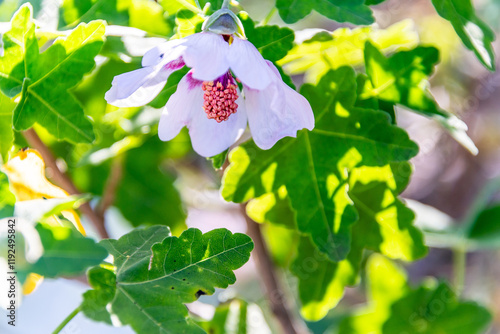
(276, 112)
(206, 54)
(248, 65)
(210, 138)
(180, 108)
(137, 88)
(164, 53)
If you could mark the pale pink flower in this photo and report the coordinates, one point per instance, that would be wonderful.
(208, 99)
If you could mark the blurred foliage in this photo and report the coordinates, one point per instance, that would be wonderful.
(7, 198)
(65, 252)
(235, 317)
(146, 195)
(223, 319)
(330, 50)
(395, 307)
(354, 11)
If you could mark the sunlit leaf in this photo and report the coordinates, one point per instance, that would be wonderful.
(173, 6)
(7, 199)
(148, 16)
(354, 11)
(403, 79)
(385, 225)
(314, 168)
(43, 79)
(6, 127)
(395, 307)
(474, 33)
(26, 173)
(322, 281)
(154, 278)
(187, 23)
(272, 208)
(330, 50)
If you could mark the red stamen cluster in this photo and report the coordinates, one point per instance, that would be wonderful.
(219, 100)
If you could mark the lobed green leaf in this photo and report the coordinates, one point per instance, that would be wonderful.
(156, 274)
(43, 79)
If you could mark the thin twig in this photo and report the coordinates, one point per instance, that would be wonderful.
(275, 293)
(67, 320)
(109, 194)
(63, 180)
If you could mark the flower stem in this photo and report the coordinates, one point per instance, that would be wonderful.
(63, 180)
(275, 293)
(269, 16)
(459, 264)
(68, 319)
(225, 4)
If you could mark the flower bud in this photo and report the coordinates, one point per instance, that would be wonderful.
(224, 22)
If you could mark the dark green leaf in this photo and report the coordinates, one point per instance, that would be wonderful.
(170, 87)
(315, 166)
(44, 79)
(486, 227)
(373, 2)
(154, 279)
(219, 159)
(354, 11)
(474, 33)
(134, 249)
(103, 282)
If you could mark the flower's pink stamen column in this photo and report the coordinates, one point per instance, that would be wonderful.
(219, 99)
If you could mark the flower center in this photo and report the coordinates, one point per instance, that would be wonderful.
(219, 98)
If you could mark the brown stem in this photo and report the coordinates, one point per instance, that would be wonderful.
(63, 180)
(275, 293)
(109, 194)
